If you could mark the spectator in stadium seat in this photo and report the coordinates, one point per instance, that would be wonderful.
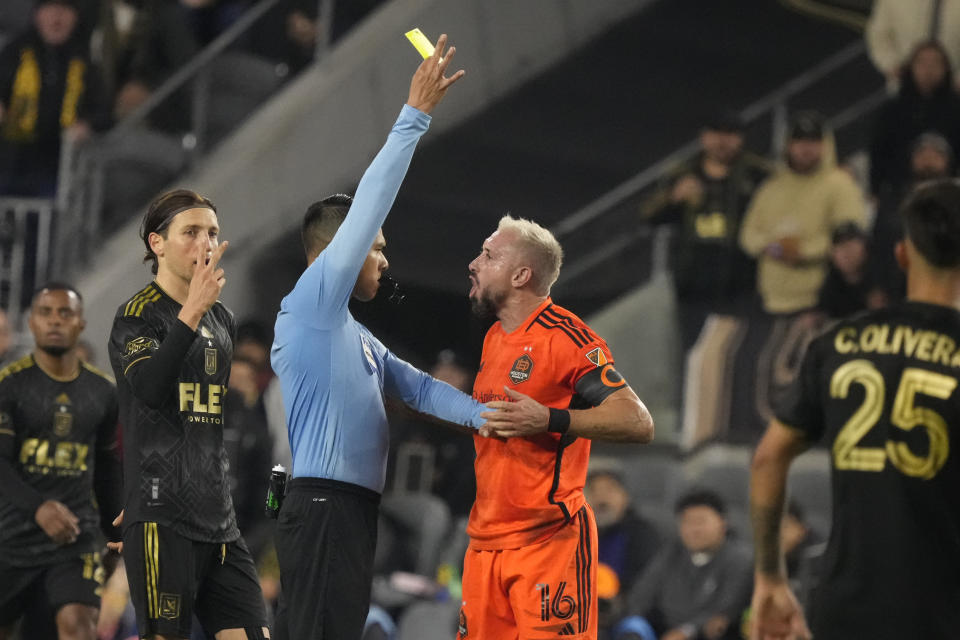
(849, 286)
(789, 223)
(895, 27)
(626, 542)
(926, 101)
(931, 158)
(698, 588)
(47, 88)
(705, 199)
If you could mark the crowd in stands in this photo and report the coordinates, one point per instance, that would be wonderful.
(77, 67)
(767, 251)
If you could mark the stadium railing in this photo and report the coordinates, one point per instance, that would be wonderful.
(25, 233)
(599, 234)
(81, 190)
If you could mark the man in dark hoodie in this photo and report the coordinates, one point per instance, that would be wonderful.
(926, 102)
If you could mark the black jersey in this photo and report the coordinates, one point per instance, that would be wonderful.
(51, 432)
(881, 387)
(172, 415)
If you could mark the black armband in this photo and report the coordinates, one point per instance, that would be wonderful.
(559, 421)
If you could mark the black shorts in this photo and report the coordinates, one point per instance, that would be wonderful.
(326, 538)
(77, 580)
(173, 578)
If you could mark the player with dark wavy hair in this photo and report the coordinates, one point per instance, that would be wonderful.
(881, 389)
(171, 348)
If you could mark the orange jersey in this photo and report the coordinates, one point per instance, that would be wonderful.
(527, 488)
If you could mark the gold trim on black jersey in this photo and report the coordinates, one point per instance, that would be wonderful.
(16, 367)
(103, 374)
(138, 302)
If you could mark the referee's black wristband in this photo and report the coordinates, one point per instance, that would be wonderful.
(559, 421)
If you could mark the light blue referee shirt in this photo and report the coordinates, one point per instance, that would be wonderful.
(333, 372)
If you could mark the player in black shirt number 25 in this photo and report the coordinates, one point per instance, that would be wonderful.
(881, 389)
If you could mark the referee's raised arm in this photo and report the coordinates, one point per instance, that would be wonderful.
(330, 281)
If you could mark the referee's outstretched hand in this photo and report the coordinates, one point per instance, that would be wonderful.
(524, 416)
(429, 84)
(205, 285)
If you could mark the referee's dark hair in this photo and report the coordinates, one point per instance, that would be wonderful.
(931, 219)
(161, 213)
(56, 285)
(321, 221)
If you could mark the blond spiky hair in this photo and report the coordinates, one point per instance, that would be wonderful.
(539, 247)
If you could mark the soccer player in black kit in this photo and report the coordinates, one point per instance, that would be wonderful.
(881, 389)
(58, 448)
(170, 348)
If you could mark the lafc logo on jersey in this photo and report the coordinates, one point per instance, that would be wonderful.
(597, 357)
(139, 345)
(522, 368)
(210, 361)
(206, 333)
(62, 422)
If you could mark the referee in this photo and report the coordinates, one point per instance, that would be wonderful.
(334, 374)
(171, 348)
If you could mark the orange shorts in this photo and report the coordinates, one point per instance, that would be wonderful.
(540, 591)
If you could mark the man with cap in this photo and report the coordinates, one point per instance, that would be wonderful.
(931, 158)
(47, 87)
(791, 219)
(705, 199)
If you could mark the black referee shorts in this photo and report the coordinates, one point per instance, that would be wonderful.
(326, 537)
(173, 578)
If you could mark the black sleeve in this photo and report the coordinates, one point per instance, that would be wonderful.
(13, 487)
(9, 61)
(107, 472)
(148, 365)
(800, 406)
(598, 384)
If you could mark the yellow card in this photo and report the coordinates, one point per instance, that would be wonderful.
(420, 42)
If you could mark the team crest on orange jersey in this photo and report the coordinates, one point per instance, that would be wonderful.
(522, 367)
(597, 358)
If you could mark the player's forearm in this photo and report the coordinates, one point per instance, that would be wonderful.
(618, 419)
(768, 483)
(152, 378)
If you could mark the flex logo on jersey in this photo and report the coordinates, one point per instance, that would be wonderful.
(203, 399)
(63, 459)
(522, 368)
(597, 357)
(140, 345)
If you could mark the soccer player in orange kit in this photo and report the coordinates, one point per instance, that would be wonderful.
(530, 570)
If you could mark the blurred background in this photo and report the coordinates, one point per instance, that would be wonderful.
(723, 176)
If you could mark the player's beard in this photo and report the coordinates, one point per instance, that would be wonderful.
(486, 305)
(54, 350)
